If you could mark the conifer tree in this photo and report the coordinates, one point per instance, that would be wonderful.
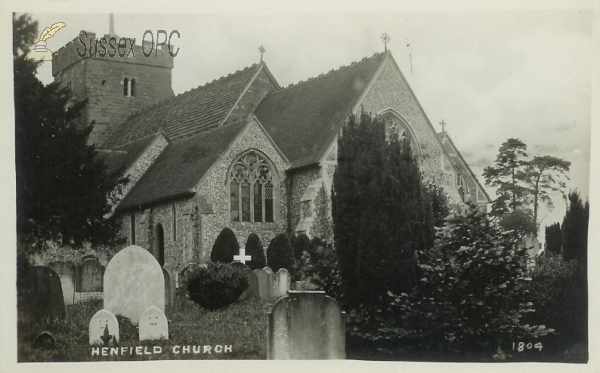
(254, 248)
(381, 212)
(553, 239)
(280, 254)
(575, 229)
(225, 247)
(64, 192)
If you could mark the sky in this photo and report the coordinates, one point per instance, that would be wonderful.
(490, 75)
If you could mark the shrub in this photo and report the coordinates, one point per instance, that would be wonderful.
(300, 244)
(553, 239)
(225, 247)
(254, 248)
(575, 229)
(127, 330)
(216, 286)
(471, 296)
(440, 203)
(280, 254)
(319, 266)
(559, 294)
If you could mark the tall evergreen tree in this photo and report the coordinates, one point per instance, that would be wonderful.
(507, 176)
(575, 229)
(64, 192)
(254, 248)
(553, 239)
(380, 210)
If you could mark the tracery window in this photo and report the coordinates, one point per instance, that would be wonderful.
(396, 129)
(251, 190)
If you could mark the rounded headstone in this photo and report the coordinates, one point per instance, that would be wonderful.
(99, 323)
(44, 340)
(67, 280)
(133, 281)
(153, 325)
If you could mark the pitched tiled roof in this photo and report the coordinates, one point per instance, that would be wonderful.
(180, 166)
(124, 156)
(304, 119)
(189, 113)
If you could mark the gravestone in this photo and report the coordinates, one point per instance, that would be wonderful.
(281, 283)
(133, 281)
(306, 325)
(44, 340)
(67, 280)
(268, 270)
(47, 302)
(252, 290)
(265, 282)
(169, 287)
(153, 325)
(90, 276)
(238, 265)
(103, 327)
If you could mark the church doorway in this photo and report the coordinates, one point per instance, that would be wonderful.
(159, 244)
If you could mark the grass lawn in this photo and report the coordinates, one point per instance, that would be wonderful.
(237, 332)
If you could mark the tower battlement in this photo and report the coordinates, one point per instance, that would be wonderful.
(86, 44)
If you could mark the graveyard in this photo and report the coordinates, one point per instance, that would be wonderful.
(138, 320)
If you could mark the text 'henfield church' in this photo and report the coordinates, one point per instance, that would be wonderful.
(241, 151)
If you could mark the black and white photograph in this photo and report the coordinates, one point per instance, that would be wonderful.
(384, 185)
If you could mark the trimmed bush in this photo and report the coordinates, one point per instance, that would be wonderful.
(280, 254)
(216, 286)
(318, 265)
(225, 247)
(254, 248)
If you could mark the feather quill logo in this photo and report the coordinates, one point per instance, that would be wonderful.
(40, 52)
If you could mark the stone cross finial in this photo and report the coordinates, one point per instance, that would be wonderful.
(385, 38)
(262, 50)
(443, 125)
(242, 257)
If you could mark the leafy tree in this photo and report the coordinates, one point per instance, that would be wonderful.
(381, 213)
(520, 222)
(254, 248)
(575, 229)
(553, 239)
(319, 266)
(542, 175)
(280, 254)
(471, 297)
(64, 192)
(322, 226)
(225, 247)
(507, 176)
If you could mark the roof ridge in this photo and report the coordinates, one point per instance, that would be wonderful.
(332, 71)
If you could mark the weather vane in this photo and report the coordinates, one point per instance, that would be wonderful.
(262, 50)
(385, 38)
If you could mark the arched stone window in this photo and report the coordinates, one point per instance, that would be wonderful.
(397, 128)
(252, 189)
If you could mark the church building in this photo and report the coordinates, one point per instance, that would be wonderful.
(241, 151)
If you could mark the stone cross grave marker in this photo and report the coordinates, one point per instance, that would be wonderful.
(252, 290)
(265, 282)
(306, 325)
(282, 283)
(104, 328)
(67, 280)
(133, 281)
(153, 325)
(243, 258)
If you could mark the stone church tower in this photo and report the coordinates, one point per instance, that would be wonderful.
(115, 87)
